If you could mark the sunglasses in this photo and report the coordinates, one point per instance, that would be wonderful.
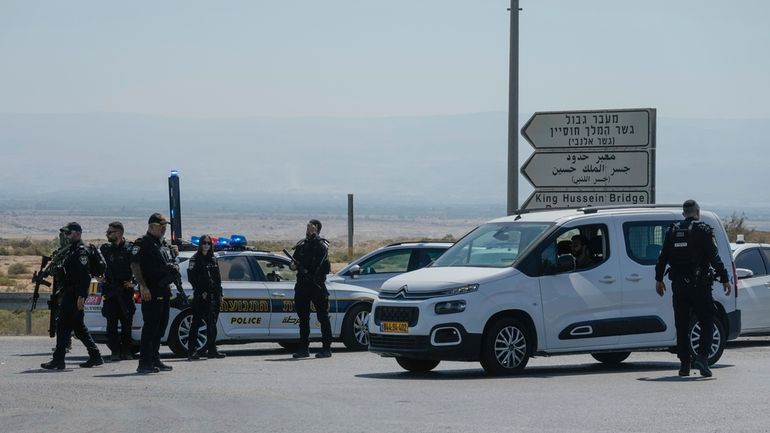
(205, 243)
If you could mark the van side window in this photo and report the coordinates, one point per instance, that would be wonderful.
(587, 245)
(751, 259)
(644, 240)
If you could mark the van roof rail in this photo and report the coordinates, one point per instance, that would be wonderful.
(594, 209)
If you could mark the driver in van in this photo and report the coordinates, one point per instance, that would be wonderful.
(579, 247)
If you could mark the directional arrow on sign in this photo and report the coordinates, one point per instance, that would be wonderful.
(587, 169)
(578, 129)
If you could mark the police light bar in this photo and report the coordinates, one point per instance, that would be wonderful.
(195, 240)
(238, 240)
(222, 242)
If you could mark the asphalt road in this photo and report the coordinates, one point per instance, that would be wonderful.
(259, 388)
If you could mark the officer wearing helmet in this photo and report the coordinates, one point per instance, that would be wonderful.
(690, 251)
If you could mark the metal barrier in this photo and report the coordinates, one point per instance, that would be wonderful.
(23, 301)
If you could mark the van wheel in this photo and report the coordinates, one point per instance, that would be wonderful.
(355, 328)
(416, 365)
(717, 343)
(612, 358)
(505, 348)
(180, 333)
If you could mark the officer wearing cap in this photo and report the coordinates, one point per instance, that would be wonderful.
(311, 261)
(690, 251)
(154, 267)
(118, 292)
(76, 280)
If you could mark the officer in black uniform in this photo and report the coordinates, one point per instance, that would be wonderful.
(203, 274)
(691, 252)
(118, 292)
(154, 267)
(311, 261)
(76, 279)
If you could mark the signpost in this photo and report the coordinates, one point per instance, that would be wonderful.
(590, 158)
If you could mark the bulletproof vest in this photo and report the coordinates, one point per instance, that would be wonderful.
(684, 251)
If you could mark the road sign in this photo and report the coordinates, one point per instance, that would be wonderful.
(600, 128)
(576, 169)
(574, 199)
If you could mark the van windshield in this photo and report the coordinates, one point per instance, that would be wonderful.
(494, 245)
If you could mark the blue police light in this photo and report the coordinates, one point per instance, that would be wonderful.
(238, 240)
(195, 240)
(223, 242)
(174, 173)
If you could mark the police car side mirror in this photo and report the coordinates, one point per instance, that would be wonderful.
(744, 273)
(565, 263)
(355, 271)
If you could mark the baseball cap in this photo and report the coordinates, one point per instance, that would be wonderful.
(71, 227)
(157, 218)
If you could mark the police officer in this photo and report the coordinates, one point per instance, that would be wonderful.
(203, 274)
(75, 280)
(691, 252)
(118, 292)
(311, 261)
(153, 265)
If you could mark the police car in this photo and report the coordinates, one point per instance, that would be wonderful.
(258, 306)
(752, 261)
(511, 289)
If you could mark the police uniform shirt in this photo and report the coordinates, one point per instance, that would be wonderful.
(702, 236)
(154, 257)
(312, 255)
(203, 275)
(76, 275)
(118, 260)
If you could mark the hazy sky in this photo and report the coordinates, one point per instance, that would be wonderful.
(686, 58)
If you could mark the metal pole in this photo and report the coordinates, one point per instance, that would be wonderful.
(350, 227)
(29, 322)
(513, 112)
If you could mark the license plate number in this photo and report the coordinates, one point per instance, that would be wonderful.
(397, 327)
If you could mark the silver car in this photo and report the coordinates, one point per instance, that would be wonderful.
(373, 269)
(752, 263)
(258, 306)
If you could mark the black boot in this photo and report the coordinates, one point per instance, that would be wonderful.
(215, 354)
(684, 368)
(301, 353)
(161, 366)
(193, 355)
(93, 361)
(53, 365)
(702, 364)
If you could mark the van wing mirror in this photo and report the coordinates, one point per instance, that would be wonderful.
(565, 263)
(744, 273)
(355, 271)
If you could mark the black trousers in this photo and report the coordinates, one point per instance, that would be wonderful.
(115, 313)
(70, 320)
(689, 300)
(208, 310)
(306, 293)
(155, 315)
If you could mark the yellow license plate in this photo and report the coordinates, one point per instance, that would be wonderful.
(399, 327)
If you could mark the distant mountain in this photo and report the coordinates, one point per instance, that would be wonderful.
(444, 162)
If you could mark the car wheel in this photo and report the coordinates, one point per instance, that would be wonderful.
(355, 328)
(506, 347)
(612, 358)
(179, 334)
(416, 365)
(291, 346)
(717, 343)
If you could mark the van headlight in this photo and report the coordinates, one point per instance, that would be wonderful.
(468, 288)
(450, 307)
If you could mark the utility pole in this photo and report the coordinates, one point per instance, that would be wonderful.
(513, 112)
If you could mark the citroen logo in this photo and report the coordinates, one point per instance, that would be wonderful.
(401, 292)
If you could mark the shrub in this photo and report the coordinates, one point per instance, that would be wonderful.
(18, 269)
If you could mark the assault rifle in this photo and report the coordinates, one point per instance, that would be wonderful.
(180, 301)
(49, 266)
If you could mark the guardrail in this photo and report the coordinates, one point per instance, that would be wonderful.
(23, 301)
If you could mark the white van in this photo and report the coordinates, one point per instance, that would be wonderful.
(510, 290)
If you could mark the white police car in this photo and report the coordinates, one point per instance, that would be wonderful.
(258, 306)
(372, 269)
(752, 261)
(510, 289)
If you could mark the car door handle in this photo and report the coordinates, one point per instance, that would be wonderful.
(278, 295)
(607, 279)
(634, 277)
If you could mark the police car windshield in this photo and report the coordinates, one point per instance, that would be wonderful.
(494, 245)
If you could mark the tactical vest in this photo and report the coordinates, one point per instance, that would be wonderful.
(683, 252)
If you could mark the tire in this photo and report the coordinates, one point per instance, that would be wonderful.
(290, 346)
(180, 332)
(417, 365)
(505, 348)
(355, 328)
(611, 358)
(717, 344)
